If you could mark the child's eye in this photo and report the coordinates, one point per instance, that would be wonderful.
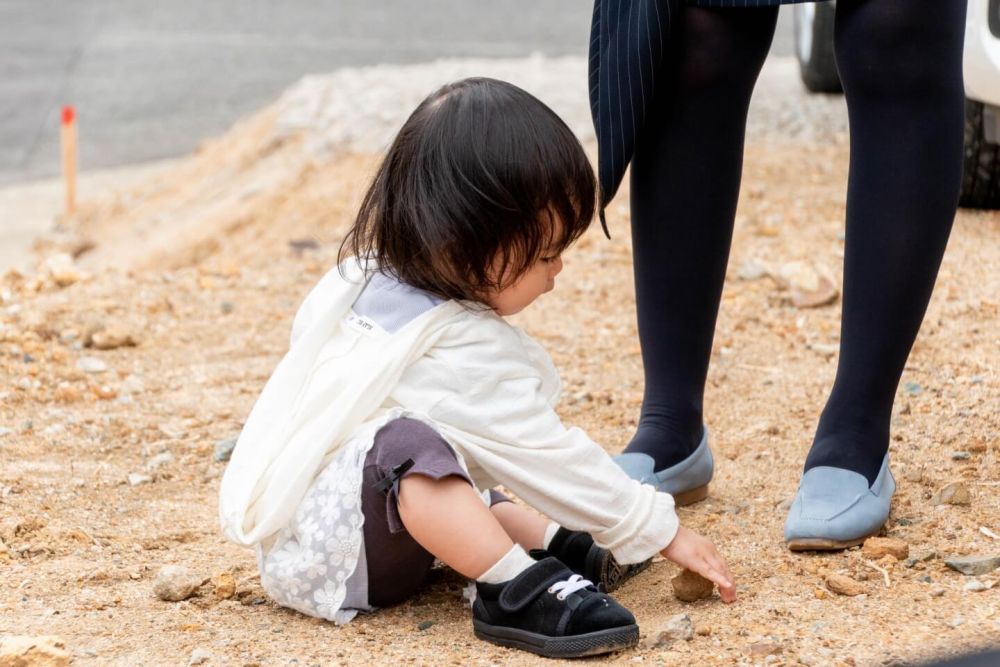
(550, 259)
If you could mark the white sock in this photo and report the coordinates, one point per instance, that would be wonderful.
(513, 563)
(550, 532)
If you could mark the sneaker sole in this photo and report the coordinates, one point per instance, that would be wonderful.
(573, 646)
(614, 575)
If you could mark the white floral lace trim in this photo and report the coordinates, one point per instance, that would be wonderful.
(308, 566)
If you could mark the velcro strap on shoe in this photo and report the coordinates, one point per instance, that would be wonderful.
(528, 585)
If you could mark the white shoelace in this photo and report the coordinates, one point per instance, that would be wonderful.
(562, 589)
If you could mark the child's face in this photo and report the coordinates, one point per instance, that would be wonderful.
(533, 283)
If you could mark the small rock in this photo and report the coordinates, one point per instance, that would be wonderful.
(877, 547)
(912, 388)
(61, 269)
(955, 493)
(137, 478)
(133, 384)
(199, 657)
(960, 456)
(224, 584)
(91, 365)
(975, 586)
(224, 449)
(807, 287)
(955, 622)
(423, 625)
(226, 307)
(690, 586)
(112, 337)
(676, 628)
(843, 585)
(937, 592)
(45, 651)
(160, 460)
(175, 583)
(703, 630)
(751, 269)
(973, 566)
(765, 648)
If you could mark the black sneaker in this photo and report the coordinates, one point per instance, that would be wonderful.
(549, 610)
(579, 553)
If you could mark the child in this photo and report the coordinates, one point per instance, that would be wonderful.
(405, 394)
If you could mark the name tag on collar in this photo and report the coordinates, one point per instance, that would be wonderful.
(364, 324)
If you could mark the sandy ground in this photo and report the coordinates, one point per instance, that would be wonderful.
(210, 315)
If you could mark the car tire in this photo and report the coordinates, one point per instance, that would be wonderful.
(981, 174)
(814, 47)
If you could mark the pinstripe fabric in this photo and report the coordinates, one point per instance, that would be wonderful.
(628, 40)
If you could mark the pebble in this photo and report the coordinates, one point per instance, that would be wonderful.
(765, 648)
(843, 585)
(955, 493)
(224, 584)
(137, 478)
(912, 388)
(62, 270)
(199, 656)
(91, 365)
(937, 592)
(975, 586)
(175, 583)
(960, 456)
(955, 622)
(676, 628)
(113, 337)
(132, 385)
(973, 566)
(690, 586)
(44, 651)
(160, 460)
(423, 625)
(224, 449)
(877, 547)
(226, 307)
(751, 269)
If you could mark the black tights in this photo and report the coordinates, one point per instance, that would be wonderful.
(901, 70)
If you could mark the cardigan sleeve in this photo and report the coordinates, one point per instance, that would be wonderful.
(499, 414)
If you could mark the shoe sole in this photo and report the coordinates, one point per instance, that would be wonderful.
(573, 646)
(614, 575)
(822, 544)
(691, 497)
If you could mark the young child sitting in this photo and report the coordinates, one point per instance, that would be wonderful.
(405, 397)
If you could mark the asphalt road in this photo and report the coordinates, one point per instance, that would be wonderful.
(151, 79)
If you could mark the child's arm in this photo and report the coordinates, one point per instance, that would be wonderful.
(499, 413)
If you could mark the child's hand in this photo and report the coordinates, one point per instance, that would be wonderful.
(697, 553)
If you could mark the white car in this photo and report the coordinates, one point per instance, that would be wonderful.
(981, 178)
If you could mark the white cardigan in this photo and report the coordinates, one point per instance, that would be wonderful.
(483, 384)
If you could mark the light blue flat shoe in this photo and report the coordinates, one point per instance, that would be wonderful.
(836, 509)
(686, 481)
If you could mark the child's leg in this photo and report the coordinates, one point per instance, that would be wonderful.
(449, 519)
(430, 508)
(526, 527)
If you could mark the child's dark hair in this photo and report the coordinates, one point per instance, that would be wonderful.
(482, 180)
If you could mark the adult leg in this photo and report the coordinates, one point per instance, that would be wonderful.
(901, 66)
(685, 183)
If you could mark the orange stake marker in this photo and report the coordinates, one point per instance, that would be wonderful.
(68, 141)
